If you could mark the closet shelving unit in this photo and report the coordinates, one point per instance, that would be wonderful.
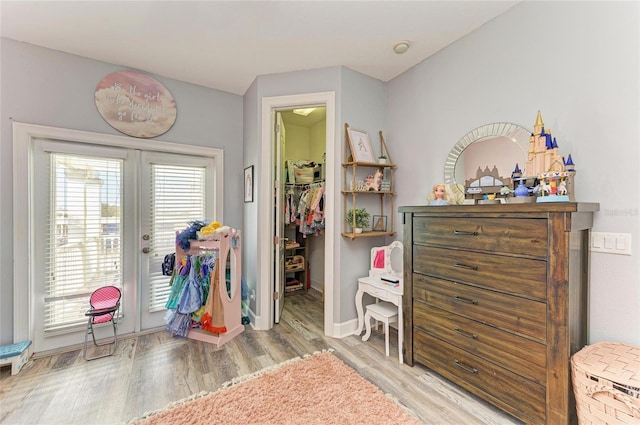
(296, 261)
(351, 193)
(296, 246)
(228, 247)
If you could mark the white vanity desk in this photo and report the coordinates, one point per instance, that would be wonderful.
(383, 291)
(375, 287)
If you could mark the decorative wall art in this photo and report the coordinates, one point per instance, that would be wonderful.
(248, 184)
(135, 104)
(379, 223)
(360, 144)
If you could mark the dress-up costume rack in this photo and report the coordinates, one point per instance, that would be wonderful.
(226, 305)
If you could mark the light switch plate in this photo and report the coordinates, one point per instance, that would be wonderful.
(611, 243)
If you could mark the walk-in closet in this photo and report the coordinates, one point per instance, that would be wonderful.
(303, 168)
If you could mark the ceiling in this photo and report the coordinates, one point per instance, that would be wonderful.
(225, 45)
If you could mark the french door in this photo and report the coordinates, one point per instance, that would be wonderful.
(174, 189)
(107, 215)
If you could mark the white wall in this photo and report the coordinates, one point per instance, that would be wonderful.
(47, 87)
(296, 143)
(576, 62)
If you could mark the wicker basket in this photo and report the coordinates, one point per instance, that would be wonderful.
(606, 383)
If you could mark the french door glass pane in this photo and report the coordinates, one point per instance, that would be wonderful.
(83, 235)
(177, 197)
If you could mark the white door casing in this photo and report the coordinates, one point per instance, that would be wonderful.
(266, 203)
(279, 242)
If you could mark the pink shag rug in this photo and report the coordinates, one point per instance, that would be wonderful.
(318, 389)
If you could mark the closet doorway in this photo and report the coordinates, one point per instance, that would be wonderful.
(300, 156)
(267, 254)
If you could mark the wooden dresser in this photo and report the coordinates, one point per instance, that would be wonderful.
(500, 300)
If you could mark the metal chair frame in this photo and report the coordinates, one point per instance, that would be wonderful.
(97, 312)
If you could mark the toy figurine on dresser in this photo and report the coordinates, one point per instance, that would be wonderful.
(438, 195)
(554, 173)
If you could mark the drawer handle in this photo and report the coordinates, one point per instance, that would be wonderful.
(464, 300)
(465, 266)
(463, 233)
(463, 333)
(465, 367)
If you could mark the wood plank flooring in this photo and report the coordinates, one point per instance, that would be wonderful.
(148, 372)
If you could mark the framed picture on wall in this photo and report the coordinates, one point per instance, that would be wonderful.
(360, 144)
(379, 223)
(248, 184)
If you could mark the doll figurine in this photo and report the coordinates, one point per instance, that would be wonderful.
(438, 195)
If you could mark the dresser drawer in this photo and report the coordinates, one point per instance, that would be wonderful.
(517, 354)
(514, 314)
(517, 395)
(509, 274)
(506, 235)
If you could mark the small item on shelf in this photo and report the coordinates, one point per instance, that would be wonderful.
(373, 182)
(293, 285)
(209, 231)
(305, 172)
(358, 218)
(294, 263)
(291, 245)
(390, 279)
(293, 288)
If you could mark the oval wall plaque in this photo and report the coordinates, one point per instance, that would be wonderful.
(135, 104)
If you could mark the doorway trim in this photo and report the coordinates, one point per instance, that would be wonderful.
(265, 250)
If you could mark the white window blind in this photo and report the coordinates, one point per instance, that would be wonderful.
(177, 197)
(83, 235)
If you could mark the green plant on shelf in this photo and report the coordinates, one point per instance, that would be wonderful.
(358, 218)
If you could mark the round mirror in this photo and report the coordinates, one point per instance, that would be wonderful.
(487, 146)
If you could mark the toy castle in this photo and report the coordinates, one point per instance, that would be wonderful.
(554, 173)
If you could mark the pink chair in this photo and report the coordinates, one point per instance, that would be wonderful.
(105, 304)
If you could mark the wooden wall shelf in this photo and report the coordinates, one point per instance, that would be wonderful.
(352, 174)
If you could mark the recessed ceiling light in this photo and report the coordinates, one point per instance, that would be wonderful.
(303, 111)
(401, 46)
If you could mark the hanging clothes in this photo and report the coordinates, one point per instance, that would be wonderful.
(178, 281)
(213, 318)
(310, 210)
(191, 296)
(190, 292)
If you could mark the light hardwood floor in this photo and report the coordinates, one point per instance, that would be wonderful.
(148, 372)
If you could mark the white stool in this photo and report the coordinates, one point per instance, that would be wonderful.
(386, 313)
